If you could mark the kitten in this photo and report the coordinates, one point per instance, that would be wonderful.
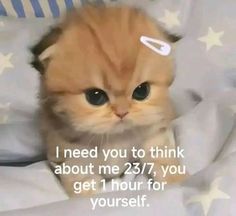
(100, 86)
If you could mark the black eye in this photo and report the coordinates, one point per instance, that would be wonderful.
(141, 92)
(96, 97)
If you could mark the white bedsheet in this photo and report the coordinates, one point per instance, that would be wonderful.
(24, 187)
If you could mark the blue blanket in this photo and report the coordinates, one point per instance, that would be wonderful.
(39, 8)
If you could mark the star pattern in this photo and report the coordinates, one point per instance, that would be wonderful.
(233, 108)
(4, 108)
(170, 19)
(5, 62)
(206, 198)
(212, 38)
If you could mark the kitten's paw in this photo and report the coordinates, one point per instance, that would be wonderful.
(81, 186)
(95, 183)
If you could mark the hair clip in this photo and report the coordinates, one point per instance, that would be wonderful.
(164, 49)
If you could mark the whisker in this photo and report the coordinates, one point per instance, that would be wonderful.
(90, 140)
(101, 143)
(107, 138)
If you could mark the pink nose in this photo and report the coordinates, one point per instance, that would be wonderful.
(122, 115)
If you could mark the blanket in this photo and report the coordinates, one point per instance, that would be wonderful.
(204, 93)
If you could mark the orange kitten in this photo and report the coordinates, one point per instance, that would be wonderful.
(100, 86)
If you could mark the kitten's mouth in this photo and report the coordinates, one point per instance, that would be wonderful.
(122, 122)
(121, 126)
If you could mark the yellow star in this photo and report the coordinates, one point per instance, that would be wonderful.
(5, 62)
(3, 119)
(170, 19)
(207, 197)
(233, 108)
(4, 108)
(212, 38)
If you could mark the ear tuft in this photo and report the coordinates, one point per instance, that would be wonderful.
(173, 38)
(47, 40)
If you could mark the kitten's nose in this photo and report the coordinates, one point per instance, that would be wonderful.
(121, 115)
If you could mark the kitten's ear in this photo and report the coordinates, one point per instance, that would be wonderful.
(44, 48)
(172, 38)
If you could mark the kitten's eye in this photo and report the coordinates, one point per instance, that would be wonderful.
(141, 92)
(96, 97)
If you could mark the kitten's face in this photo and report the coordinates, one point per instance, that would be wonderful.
(104, 80)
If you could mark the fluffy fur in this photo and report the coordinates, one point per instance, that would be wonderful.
(100, 47)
